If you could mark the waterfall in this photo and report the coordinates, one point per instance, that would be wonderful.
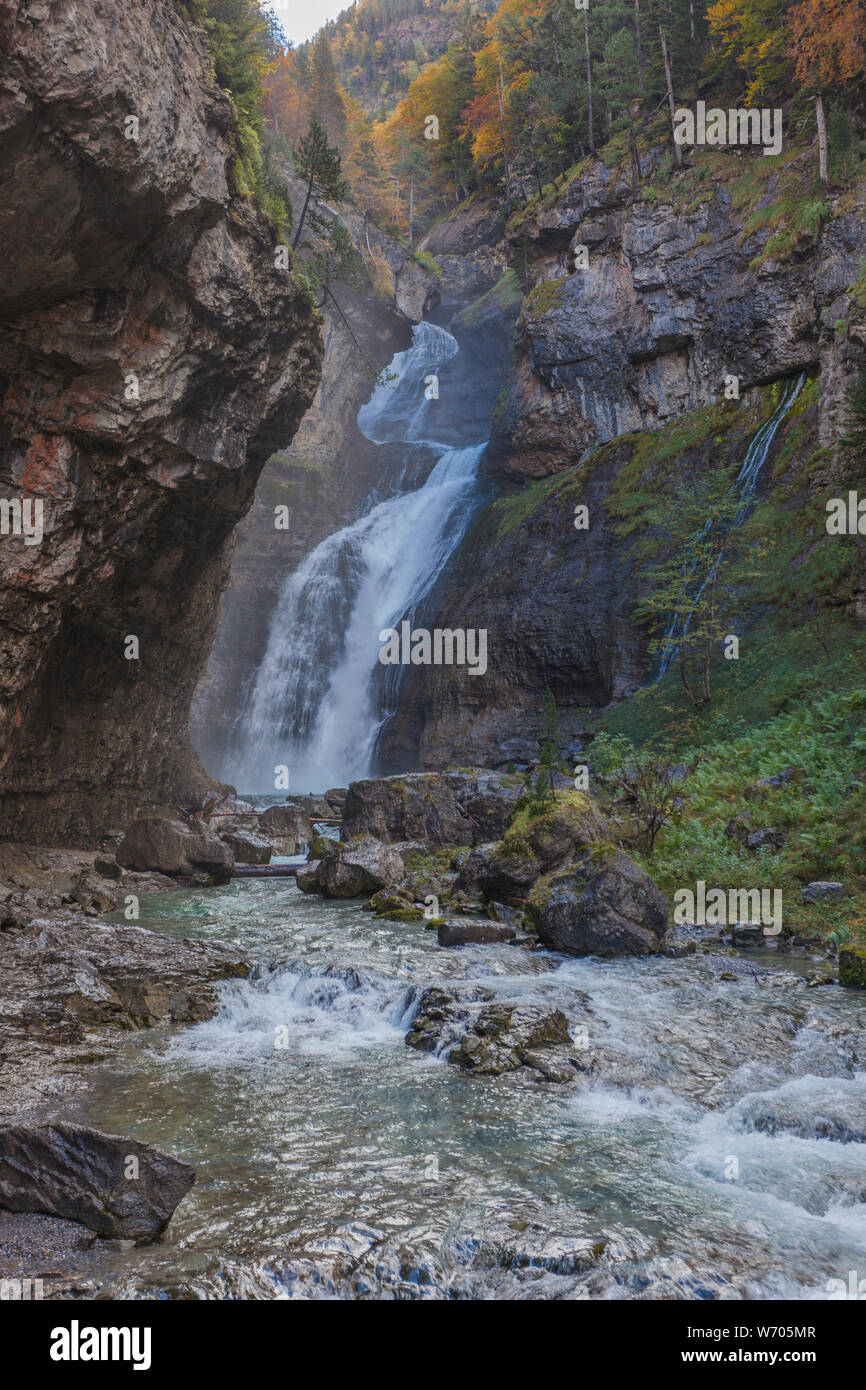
(315, 704)
(742, 493)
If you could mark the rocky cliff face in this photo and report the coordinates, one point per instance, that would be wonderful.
(151, 359)
(674, 298)
(721, 278)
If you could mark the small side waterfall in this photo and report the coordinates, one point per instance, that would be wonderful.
(316, 702)
(742, 492)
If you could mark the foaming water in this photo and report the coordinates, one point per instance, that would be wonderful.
(715, 1151)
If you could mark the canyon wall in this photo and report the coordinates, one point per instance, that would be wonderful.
(678, 293)
(151, 359)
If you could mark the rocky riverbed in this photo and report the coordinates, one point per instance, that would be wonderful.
(419, 1173)
(492, 1118)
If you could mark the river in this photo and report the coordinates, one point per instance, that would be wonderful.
(333, 1161)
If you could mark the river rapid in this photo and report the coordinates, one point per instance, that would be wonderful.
(715, 1151)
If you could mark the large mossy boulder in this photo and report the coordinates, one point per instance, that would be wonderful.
(602, 905)
(185, 848)
(852, 967)
(357, 867)
(488, 800)
(532, 846)
(464, 807)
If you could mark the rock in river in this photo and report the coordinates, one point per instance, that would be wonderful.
(111, 1184)
(352, 868)
(603, 905)
(174, 847)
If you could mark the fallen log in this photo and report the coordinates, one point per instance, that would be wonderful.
(266, 870)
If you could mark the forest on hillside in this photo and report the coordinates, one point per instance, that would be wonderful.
(522, 92)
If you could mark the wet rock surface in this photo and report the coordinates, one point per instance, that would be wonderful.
(109, 1183)
(489, 1038)
(603, 905)
(71, 988)
(473, 931)
(127, 261)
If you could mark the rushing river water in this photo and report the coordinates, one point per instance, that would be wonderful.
(693, 1163)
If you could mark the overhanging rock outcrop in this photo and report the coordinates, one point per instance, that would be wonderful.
(151, 359)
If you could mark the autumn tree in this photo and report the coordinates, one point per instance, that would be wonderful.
(751, 43)
(828, 45)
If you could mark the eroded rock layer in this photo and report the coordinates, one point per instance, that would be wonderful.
(151, 359)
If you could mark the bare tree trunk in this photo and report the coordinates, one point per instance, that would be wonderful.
(637, 46)
(588, 79)
(411, 205)
(823, 160)
(501, 93)
(678, 154)
(692, 22)
(304, 210)
(633, 151)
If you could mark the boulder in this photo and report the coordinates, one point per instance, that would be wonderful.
(506, 1037)
(488, 801)
(852, 967)
(247, 847)
(313, 806)
(288, 825)
(336, 799)
(823, 890)
(319, 846)
(307, 877)
(739, 827)
(479, 1034)
(229, 807)
(107, 868)
(113, 1185)
(94, 894)
(357, 867)
(473, 931)
(788, 774)
(419, 806)
(532, 847)
(771, 837)
(603, 905)
(174, 847)
(443, 1016)
(474, 868)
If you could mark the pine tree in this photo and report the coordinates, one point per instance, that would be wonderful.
(326, 96)
(319, 165)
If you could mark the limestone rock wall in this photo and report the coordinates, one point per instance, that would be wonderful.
(151, 359)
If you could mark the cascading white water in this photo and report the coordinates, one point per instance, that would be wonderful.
(315, 705)
(743, 491)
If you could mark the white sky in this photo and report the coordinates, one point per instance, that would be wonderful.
(302, 18)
